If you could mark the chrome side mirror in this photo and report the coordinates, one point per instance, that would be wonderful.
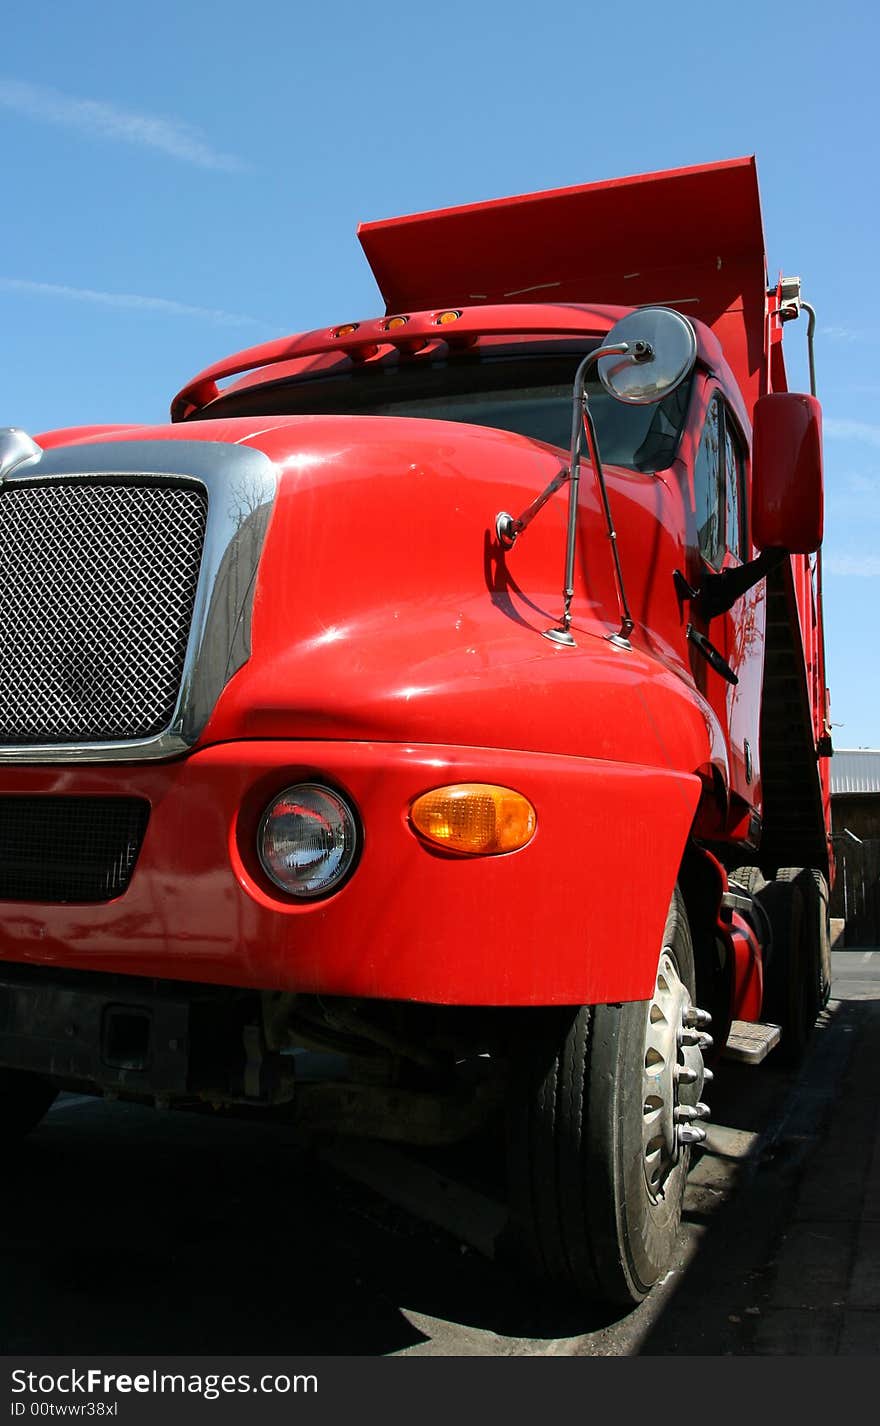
(660, 351)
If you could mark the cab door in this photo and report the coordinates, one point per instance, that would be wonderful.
(723, 542)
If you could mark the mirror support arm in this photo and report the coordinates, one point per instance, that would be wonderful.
(634, 350)
(621, 638)
(719, 592)
(582, 422)
(811, 328)
(507, 527)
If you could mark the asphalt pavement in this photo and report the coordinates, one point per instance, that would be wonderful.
(822, 1290)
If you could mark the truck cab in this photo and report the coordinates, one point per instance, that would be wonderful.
(443, 689)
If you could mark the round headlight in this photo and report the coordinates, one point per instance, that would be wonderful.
(307, 840)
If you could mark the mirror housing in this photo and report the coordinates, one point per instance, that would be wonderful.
(787, 477)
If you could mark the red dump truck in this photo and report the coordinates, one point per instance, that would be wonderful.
(442, 692)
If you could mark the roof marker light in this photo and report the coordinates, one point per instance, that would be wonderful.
(444, 318)
(394, 322)
(347, 330)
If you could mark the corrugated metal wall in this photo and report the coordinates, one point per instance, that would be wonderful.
(855, 770)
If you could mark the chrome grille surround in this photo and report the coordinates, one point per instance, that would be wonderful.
(149, 692)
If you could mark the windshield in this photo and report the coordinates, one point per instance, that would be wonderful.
(530, 395)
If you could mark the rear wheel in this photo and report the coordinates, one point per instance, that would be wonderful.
(604, 1101)
(24, 1100)
(750, 878)
(817, 912)
(791, 980)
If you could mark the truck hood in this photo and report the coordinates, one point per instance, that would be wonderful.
(384, 608)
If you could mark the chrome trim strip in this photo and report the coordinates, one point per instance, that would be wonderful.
(241, 485)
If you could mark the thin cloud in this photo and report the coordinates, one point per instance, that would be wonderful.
(852, 431)
(863, 566)
(100, 120)
(131, 302)
(841, 333)
(862, 484)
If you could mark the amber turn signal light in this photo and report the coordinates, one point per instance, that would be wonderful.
(475, 817)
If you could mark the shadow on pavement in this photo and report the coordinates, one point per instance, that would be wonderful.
(126, 1230)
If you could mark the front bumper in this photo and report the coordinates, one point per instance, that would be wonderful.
(573, 918)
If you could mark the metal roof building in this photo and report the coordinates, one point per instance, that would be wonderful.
(854, 771)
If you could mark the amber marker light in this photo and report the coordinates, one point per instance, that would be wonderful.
(347, 330)
(394, 322)
(446, 317)
(477, 818)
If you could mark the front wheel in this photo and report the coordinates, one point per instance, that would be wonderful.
(604, 1107)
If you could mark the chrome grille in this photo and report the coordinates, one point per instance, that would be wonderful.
(97, 584)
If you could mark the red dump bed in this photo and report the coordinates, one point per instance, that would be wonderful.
(689, 238)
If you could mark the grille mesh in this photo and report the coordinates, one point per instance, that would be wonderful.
(97, 583)
(69, 848)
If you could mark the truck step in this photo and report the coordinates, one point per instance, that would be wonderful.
(750, 1044)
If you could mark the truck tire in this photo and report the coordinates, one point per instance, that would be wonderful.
(596, 1162)
(750, 878)
(814, 890)
(24, 1100)
(791, 980)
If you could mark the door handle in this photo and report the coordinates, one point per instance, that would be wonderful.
(711, 654)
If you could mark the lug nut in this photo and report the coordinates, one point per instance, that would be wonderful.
(693, 1016)
(708, 1076)
(686, 1113)
(696, 1038)
(691, 1134)
(685, 1075)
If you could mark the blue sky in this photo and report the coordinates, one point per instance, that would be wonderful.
(183, 179)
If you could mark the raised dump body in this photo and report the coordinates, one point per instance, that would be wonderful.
(443, 689)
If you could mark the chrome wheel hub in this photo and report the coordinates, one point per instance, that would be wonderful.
(674, 1075)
